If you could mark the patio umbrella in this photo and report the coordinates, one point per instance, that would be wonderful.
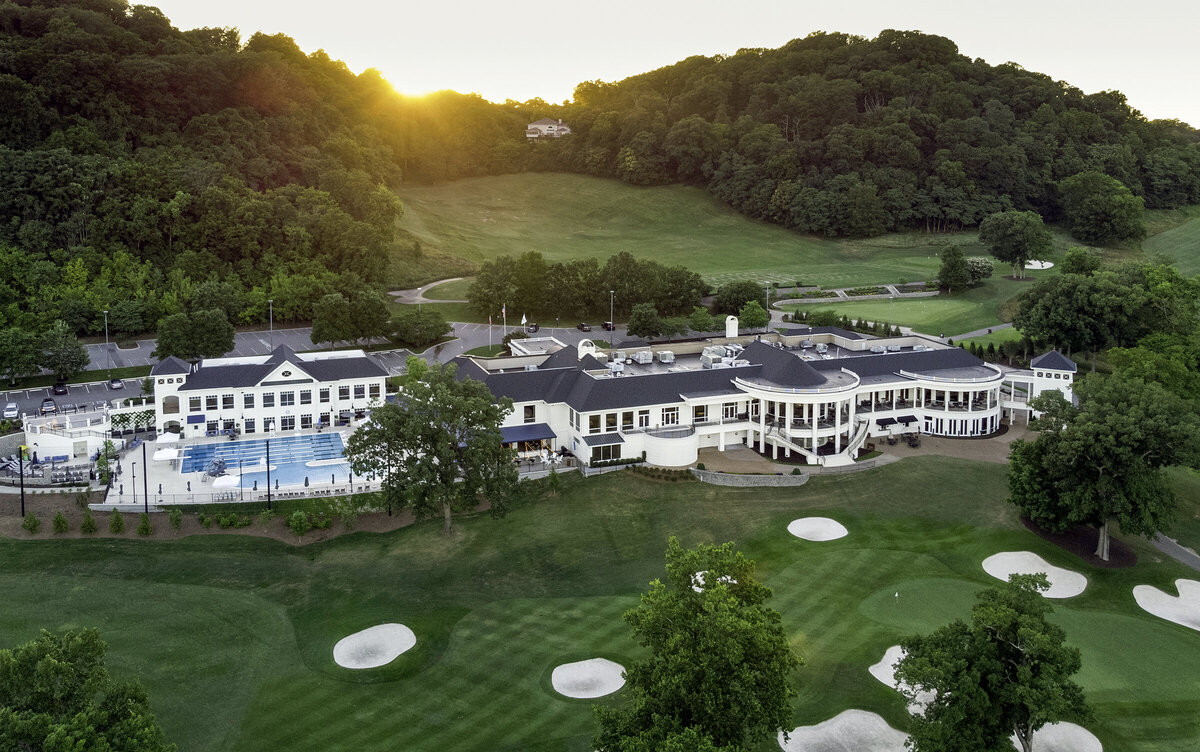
(166, 454)
(227, 481)
(168, 438)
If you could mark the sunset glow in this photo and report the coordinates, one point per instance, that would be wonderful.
(503, 50)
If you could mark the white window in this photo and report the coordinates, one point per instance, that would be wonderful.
(323, 394)
(287, 399)
(226, 401)
(248, 425)
(343, 392)
(287, 423)
(305, 396)
(248, 402)
(670, 416)
(193, 404)
(643, 418)
(530, 414)
(729, 410)
(269, 399)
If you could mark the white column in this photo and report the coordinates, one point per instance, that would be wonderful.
(762, 426)
(837, 427)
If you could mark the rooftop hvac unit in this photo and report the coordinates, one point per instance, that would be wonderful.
(740, 363)
(713, 351)
(919, 348)
(643, 357)
(734, 349)
(719, 364)
(806, 344)
(618, 356)
(616, 366)
(531, 366)
(893, 348)
(666, 356)
(822, 347)
(707, 361)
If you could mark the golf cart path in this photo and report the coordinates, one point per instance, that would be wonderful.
(417, 294)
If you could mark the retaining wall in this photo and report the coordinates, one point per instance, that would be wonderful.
(743, 480)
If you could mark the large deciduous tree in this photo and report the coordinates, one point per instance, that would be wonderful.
(1101, 209)
(333, 321)
(1006, 673)
(720, 664)
(203, 334)
(753, 315)
(19, 353)
(644, 321)
(732, 296)
(1101, 462)
(62, 353)
(953, 272)
(1015, 237)
(56, 694)
(437, 449)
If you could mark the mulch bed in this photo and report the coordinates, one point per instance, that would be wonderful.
(1081, 541)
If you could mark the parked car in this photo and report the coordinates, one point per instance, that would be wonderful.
(608, 326)
(49, 406)
(59, 388)
(11, 411)
(584, 327)
(116, 384)
(531, 328)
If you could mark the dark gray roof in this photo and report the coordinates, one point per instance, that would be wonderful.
(526, 432)
(1055, 361)
(241, 375)
(169, 366)
(781, 367)
(870, 367)
(603, 439)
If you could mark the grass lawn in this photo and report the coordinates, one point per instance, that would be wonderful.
(575, 216)
(487, 351)
(233, 635)
(1177, 237)
(456, 290)
(962, 312)
(996, 337)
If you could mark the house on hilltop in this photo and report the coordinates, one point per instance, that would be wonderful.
(547, 128)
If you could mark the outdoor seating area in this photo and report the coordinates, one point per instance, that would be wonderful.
(912, 439)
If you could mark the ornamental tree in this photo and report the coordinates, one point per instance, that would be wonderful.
(719, 664)
(62, 353)
(437, 449)
(1006, 673)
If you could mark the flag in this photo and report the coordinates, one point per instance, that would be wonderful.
(522, 319)
(503, 309)
(489, 319)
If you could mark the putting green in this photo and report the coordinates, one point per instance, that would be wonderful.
(920, 606)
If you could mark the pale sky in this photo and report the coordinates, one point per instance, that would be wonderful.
(522, 49)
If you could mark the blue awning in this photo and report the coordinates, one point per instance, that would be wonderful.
(195, 419)
(604, 439)
(528, 432)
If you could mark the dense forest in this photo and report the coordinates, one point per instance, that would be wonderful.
(148, 171)
(840, 135)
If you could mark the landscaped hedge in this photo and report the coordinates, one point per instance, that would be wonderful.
(659, 473)
(616, 463)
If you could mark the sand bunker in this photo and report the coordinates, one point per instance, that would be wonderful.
(1063, 737)
(1039, 264)
(700, 580)
(848, 731)
(885, 671)
(1182, 609)
(1063, 582)
(817, 529)
(373, 647)
(595, 677)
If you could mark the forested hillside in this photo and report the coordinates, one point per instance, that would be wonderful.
(146, 170)
(840, 135)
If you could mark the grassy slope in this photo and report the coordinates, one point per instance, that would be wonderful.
(1176, 234)
(574, 216)
(233, 635)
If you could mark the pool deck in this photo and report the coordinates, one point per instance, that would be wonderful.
(168, 486)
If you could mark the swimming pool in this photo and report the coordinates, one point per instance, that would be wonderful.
(318, 457)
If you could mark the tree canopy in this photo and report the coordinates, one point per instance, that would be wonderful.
(1101, 461)
(57, 694)
(1006, 673)
(437, 449)
(204, 334)
(1101, 209)
(718, 674)
(1015, 237)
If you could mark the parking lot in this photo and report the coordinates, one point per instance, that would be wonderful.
(78, 397)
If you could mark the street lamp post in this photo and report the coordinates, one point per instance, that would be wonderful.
(271, 320)
(107, 356)
(611, 320)
(133, 476)
(146, 480)
(21, 455)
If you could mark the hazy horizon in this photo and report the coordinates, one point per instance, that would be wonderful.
(502, 53)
